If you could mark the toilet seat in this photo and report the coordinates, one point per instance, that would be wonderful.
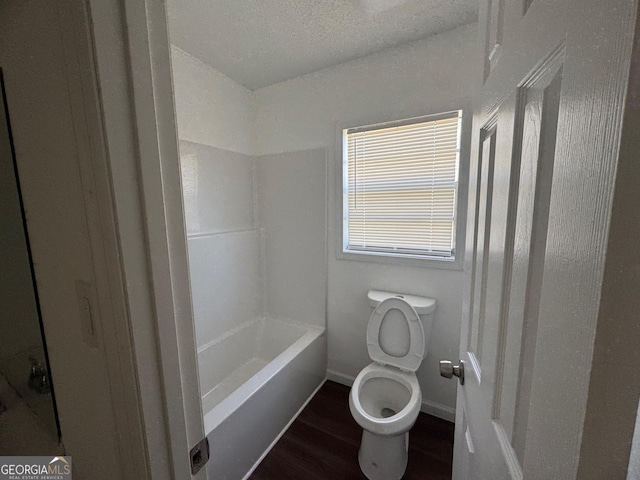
(415, 353)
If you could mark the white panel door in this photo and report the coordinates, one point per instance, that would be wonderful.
(546, 130)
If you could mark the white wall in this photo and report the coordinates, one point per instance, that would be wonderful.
(211, 108)
(424, 77)
(415, 79)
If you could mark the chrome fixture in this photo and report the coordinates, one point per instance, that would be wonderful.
(39, 377)
(448, 370)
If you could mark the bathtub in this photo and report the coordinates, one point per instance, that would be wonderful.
(254, 381)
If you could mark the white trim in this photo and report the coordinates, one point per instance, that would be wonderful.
(438, 410)
(445, 263)
(341, 378)
(155, 121)
(133, 63)
(97, 185)
(108, 31)
(430, 408)
(284, 430)
(509, 453)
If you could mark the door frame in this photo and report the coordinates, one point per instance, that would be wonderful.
(608, 433)
(133, 71)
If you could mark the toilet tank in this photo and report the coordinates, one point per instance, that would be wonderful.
(424, 307)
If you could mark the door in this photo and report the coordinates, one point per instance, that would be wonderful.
(545, 137)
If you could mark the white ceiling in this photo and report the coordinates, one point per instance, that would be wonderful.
(261, 42)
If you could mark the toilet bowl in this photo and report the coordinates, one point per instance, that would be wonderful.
(385, 401)
(385, 398)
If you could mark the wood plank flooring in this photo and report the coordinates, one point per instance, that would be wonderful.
(323, 442)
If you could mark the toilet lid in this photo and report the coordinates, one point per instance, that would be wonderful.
(395, 335)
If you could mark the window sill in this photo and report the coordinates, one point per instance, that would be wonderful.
(406, 260)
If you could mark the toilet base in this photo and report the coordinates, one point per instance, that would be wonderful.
(383, 457)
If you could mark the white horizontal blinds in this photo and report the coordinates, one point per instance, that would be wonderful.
(401, 187)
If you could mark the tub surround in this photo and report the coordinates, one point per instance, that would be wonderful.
(222, 236)
(292, 210)
(218, 189)
(223, 302)
(259, 317)
(241, 220)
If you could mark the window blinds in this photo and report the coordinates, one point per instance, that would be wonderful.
(400, 187)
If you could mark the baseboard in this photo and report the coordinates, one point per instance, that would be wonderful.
(438, 410)
(341, 378)
(428, 407)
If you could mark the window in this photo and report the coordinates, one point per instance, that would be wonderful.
(400, 183)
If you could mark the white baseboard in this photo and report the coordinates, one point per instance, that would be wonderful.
(428, 407)
(438, 410)
(340, 378)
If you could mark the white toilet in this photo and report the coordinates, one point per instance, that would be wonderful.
(385, 398)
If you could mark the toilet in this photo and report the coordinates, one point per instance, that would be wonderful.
(385, 398)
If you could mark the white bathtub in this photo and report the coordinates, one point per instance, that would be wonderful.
(254, 381)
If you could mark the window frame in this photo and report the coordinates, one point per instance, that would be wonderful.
(455, 263)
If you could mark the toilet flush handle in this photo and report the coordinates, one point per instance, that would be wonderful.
(448, 370)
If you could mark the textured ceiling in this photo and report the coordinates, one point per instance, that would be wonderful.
(261, 42)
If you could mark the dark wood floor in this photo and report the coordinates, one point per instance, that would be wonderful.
(323, 442)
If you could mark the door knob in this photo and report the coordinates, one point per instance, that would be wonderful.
(448, 370)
